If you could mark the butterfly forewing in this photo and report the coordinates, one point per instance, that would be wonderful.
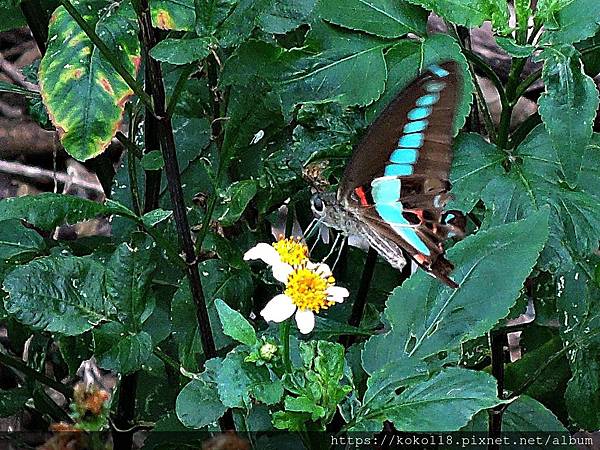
(397, 179)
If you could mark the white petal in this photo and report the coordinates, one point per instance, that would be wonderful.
(305, 320)
(278, 309)
(337, 293)
(281, 271)
(320, 268)
(264, 252)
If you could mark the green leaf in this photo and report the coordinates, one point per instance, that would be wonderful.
(47, 211)
(235, 325)
(19, 242)
(407, 59)
(533, 182)
(152, 160)
(568, 107)
(337, 65)
(385, 18)
(513, 49)
(446, 402)
(14, 89)
(576, 21)
(181, 51)
(475, 163)
(383, 383)
(522, 415)
(128, 275)
(210, 14)
(579, 308)
(173, 14)
(234, 381)
(233, 201)
(13, 401)
(120, 351)
(198, 404)
(427, 317)
(219, 281)
(468, 13)
(11, 16)
(58, 294)
(282, 16)
(155, 217)
(84, 95)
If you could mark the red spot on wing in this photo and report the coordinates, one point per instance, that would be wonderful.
(106, 86)
(360, 191)
(421, 259)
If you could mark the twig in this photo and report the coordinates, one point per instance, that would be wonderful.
(497, 340)
(38, 20)
(36, 173)
(20, 366)
(15, 75)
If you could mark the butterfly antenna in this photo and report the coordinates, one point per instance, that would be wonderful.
(310, 228)
(316, 242)
(344, 241)
(335, 242)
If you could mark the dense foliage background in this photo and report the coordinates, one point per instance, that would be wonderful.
(215, 109)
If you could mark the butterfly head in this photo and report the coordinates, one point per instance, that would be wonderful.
(329, 211)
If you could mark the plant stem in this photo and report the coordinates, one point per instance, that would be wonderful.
(20, 366)
(284, 337)
(358, 307)
(511, 99)
(178, 89)
(167, 144)
(125, 413)
(488, 72)
(37, 21)
(107, 53)
(497, 341)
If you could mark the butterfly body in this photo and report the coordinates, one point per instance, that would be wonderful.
(395, 187)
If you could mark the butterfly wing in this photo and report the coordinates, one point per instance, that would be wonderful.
(397, 180)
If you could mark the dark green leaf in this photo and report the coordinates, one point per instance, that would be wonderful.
(84, 95)
(533, 182)
(198, 404)
(385, 18)
(128, 276)
(475, 163)
(152, 160)
(235, 325)
(120, 351)
(282, 16)
(58, 294)
(11, 16)
(13, 400)
(576, 21)
(19, 242)
(469, 13)
(155, 217)
(579, 307)
(14, 89)
(341, 66)
(181, 51)
(47, 211)
(427, 317)
(513, 49)
(446, 402)
(568, 107)
(234, 201)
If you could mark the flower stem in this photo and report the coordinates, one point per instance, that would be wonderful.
(284, 338)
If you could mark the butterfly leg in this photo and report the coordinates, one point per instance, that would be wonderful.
(344, 241)
(335, 242)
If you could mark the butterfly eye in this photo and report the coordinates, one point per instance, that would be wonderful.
(317, 205)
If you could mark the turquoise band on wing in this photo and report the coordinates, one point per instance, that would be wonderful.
(385, 190)
(417, 125)
(419, 113)
(414, 140)
(398, 170)
(438, 71)
(404, 156)
(428, 99)
(392, 214)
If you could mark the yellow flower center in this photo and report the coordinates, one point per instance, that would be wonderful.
(291, 251)
(307, 289)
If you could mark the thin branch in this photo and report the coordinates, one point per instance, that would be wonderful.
(15, 75)
(29, 372)
(36, 173)
(107, 53)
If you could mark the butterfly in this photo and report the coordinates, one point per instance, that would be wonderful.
(395, 187)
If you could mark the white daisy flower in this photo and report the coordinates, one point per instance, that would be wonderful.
(308, 289)
(282, 256)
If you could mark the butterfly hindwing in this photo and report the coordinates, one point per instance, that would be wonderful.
(397, 180)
